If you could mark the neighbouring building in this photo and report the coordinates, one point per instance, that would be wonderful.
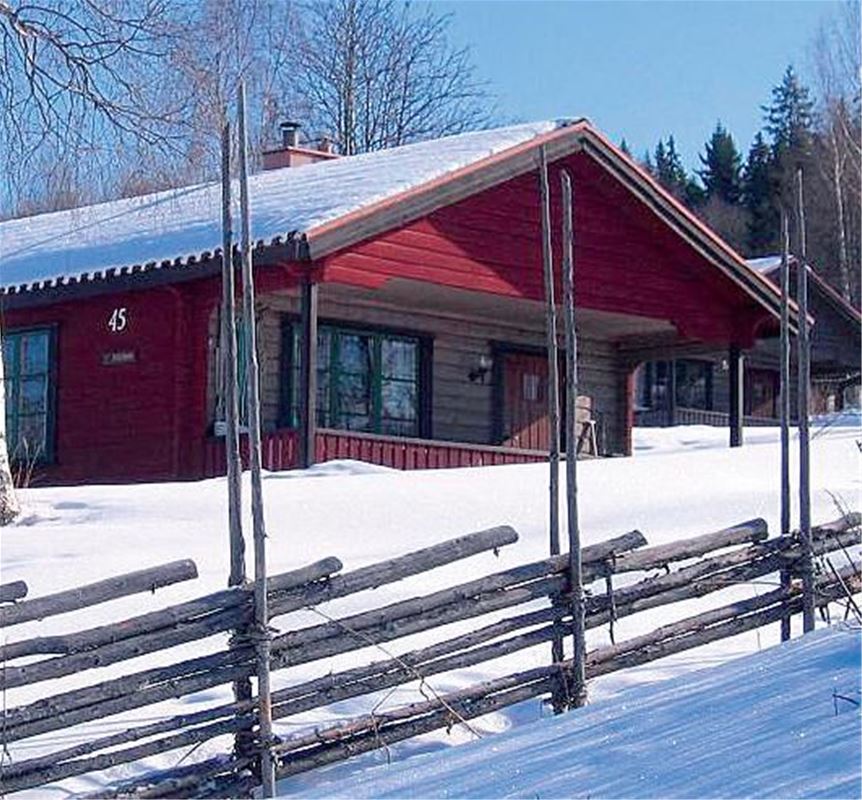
(699, 383)
(410, 278)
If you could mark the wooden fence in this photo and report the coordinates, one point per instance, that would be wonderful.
(658, 576)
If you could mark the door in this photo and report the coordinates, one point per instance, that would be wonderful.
(525, 401)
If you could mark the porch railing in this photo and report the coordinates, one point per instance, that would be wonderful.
(660, 418)
(281, 451)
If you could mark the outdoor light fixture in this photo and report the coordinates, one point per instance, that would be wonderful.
(481, 370)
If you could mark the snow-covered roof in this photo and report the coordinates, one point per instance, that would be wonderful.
(170, 226)
(764, 265)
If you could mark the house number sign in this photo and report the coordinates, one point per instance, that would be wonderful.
(118, 321)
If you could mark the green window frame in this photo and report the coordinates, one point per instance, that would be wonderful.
(28, 372)
(367, 380)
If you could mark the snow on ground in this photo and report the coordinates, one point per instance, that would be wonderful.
(782, 723)
(681, 482)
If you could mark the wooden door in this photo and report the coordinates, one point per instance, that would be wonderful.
(525, 401)
(761, 393)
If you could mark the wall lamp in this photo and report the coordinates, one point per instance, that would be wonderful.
(482, 368)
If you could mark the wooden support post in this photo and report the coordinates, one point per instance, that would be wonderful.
(308, 372)
(670, 399)
(737, 381)
(261, 633)
(804, 377)
(229, 387)
(784, 403)
(553, 396)
(241, 686)
(577, 691)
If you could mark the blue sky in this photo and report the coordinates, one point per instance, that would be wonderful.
(641, 70)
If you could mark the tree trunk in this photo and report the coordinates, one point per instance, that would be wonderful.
(9, 507)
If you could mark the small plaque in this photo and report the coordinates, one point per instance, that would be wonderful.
(118, 357)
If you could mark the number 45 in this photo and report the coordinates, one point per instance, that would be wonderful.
(117, 321)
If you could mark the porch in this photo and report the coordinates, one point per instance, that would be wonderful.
(280, 451)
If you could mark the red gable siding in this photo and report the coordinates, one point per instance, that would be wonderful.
(626, 259)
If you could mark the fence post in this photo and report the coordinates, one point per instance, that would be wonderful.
(261, 615)
(804, 376)
(553, 397)
(784, 400)
(241, 686)
(578, 688)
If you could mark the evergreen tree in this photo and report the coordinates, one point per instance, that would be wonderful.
(624, 146)
(760, 199)
(722, 167)
(790, 116)
(671, 174)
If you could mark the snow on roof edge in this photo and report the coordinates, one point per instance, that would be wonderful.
(153, 231)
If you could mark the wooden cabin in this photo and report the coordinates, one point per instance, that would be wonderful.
(410, 278)
(699, 394)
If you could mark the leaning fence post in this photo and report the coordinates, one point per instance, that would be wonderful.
(784, 399)
(804, 376)
(553, 393)
(261, 614)
(578, 687)
(241, 686)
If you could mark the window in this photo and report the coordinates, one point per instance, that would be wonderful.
(693, 384)
(366, 380)
(27, 358)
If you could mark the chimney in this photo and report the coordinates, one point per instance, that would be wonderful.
(290, 154)
(289, 133)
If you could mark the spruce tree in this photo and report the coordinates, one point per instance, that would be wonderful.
(760, 199)
(790, 116)
(722, 167)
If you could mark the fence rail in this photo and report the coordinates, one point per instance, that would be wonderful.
(532, 596)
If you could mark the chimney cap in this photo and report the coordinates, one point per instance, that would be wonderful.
(290, 125)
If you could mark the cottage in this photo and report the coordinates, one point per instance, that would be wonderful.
(411, 278)
(694, 390)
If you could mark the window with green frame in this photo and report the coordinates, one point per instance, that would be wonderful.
(366, 380)
(27, 361)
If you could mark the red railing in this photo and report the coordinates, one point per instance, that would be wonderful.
(281, 451)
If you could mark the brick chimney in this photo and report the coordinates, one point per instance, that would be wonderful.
(290, 154)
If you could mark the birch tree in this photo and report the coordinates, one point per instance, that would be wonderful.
(377, 73)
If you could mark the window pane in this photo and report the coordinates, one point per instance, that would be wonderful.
(354, 396)
(10, 356)
(399, 359)
(34, 356)
(32, 395)
(354, 353)
(399, 400)
(31, 437)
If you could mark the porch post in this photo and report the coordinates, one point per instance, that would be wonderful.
(671, 392)
(736, 364)
(308, 373)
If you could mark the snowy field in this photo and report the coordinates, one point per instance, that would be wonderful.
(781, 723)
(681, 482)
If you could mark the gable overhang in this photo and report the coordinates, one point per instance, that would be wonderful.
(576, 137)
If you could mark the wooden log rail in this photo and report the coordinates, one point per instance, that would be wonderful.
(144, 580)
(10, 592)
(502, 590)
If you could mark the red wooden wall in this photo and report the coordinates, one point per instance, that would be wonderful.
(141, 420)
(626, 259)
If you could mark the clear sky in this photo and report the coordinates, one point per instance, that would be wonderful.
(639, 70)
